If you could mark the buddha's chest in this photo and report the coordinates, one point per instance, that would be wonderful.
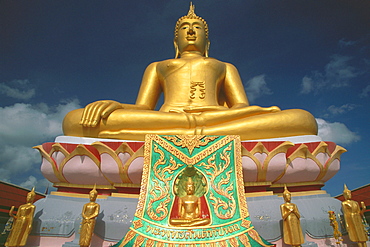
(196, 78)
(190, 205)
(195, 69)
(90, 209)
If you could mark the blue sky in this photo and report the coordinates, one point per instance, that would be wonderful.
(56, 56)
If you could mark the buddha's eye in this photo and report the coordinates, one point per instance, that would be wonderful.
(184, 27)
(197, 27)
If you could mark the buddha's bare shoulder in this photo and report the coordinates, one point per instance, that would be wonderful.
(185, 60)
(175, 63)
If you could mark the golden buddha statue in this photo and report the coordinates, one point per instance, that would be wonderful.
(89, 212)
(202, 95)
(353, 220)
(292, 230)
(364, 222)
(189, 209)
(22, 224)
(333, 222)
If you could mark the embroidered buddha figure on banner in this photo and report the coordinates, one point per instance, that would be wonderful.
(190, 207)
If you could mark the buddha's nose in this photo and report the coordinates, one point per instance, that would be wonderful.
(191, 31)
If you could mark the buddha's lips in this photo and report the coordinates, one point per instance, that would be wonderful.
(191, 38)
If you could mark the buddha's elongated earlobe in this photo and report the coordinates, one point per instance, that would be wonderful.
(177, 52)
(206, 52)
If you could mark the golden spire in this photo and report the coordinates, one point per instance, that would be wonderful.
(191, 12)
(345, 188)
(94, 190)
(32, 192)
(286, 191)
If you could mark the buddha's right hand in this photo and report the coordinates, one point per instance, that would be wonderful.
(95, 111)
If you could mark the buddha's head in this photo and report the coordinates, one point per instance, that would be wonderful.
(191, 34)
(31, 196)
(347, 193)
(286, 194)
(190, 186)
(93, 194)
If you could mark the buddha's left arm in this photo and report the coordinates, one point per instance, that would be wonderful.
(233, 88)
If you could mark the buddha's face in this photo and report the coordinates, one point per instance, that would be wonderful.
(93, 196)
(347, 195)
(287, 197)
(190, 188)
(30, 198)
(191, 36)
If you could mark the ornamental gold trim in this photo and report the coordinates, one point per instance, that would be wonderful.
(189, 240)
(215, 171)
(190, 141)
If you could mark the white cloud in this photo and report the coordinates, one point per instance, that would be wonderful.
(18, 89)
(365, 92)
(23, 126)
(337, 73)
(341, 109)
(257, 87)
(17, 158)
(336, 132)
(29, 183)
(33, 182)
(28, 124)
(343, 43)
(307, 85)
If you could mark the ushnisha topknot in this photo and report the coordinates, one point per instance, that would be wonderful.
(191, 15)
(347, 193)
(286, 191)
(345, 188)
(94, 190)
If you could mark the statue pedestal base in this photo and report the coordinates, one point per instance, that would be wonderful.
(74, 165)
(56, 224)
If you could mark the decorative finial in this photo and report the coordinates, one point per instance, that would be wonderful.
(94, 189)
(32, 192)
(345, 188)
(191, 12)
(286, 191)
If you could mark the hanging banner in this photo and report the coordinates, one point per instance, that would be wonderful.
(192, 193)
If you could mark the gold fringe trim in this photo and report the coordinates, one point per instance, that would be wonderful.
(129, 235)
(255, 236)
(244, 240)
(149, 242)
(236, 241)
(139, 240)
